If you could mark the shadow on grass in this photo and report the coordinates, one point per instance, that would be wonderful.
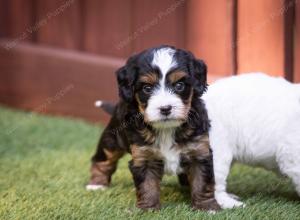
(249, 182)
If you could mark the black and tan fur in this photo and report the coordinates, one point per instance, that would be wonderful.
(129, 130)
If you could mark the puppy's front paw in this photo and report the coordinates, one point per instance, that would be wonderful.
(209, 205)
(93, 187)
(233, 196)
(148, 207)
(227, 201)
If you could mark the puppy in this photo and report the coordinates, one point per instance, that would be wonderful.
(162, 121)
(255, 119)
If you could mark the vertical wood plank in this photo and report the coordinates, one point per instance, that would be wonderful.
(260, 39)
(158, 22)
(297, 45)
(59, 23)
(20, 17)
(210, 34)
(17, 17)
(3, 18)
(289, 16)
(107, 25)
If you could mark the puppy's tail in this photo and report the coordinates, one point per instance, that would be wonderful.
(109, 107)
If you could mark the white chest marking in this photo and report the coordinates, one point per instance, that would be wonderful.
(165, 142)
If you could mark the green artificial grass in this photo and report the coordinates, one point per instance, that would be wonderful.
(44, 166)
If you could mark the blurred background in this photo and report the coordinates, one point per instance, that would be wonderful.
(59, 56)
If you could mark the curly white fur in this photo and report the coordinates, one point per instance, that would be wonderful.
(255, 119)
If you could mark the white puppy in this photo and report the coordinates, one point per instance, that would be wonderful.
(255, 119)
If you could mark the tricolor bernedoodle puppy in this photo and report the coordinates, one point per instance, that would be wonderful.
(255, 119)
(162, 121)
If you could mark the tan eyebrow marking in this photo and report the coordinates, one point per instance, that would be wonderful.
(175, 76)
(150, 78)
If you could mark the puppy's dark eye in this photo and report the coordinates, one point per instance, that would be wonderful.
(147, 89)
(179, 87)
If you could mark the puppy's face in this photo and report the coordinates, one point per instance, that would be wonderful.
(164, 97)
(162, 82)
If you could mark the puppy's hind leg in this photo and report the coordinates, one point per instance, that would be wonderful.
(104, 162)
(293, 172)
(289, 162)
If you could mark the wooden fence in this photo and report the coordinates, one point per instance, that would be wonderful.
(50, 45)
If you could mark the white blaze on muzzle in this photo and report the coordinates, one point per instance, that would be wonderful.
(162, 96)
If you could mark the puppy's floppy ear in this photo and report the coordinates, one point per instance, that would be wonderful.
(126, 76)
(200, 75)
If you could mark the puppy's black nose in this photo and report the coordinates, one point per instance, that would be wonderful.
(166, 110)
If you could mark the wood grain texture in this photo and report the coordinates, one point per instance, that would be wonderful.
(21, 16)
(157, 22)
(16, 17)
(260, 39)
(59, 23)
(289, 17)
(56, 81)
(297, 45)
(210, 28)
(3, 18)
(107, 25)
